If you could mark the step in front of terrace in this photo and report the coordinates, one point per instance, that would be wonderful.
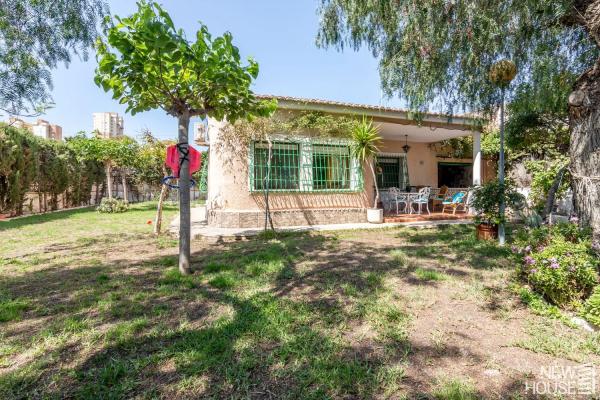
(426, 217)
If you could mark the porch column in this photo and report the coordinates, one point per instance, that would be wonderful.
(476, 158)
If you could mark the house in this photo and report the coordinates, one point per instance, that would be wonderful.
(315, 180)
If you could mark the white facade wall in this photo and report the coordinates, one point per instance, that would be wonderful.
(42, 130)
(108, 124)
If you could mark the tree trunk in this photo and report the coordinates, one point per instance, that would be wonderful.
(552, 193)
(267, 189)
(124, 183)
(99, 192)
(374, 183)
(184, 195)
(161, 199)
(109, 179)
(584, 116)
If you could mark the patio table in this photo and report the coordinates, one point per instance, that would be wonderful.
(408, 196)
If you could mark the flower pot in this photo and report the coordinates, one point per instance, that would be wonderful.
(487, 232)
(375, 215)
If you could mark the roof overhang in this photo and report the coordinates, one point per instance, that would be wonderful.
(394, 123)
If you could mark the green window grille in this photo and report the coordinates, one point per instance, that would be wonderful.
(330, 167)
(283, 173)
(308, 165)
(392, 172)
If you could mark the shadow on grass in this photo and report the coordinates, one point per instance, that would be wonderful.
(260, 319)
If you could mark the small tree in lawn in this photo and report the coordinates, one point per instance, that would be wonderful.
(365, 139)
(150, 168)
(148, 64)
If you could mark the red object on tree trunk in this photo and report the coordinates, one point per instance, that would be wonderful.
(173, 159)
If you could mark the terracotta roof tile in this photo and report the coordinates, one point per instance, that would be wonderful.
(356, 105)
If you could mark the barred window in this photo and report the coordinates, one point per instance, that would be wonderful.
(392, 172)
(330, 167)
(283, 172)
(307, 165)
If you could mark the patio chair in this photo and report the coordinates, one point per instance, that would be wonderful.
(398, 197)
(458, 200)
(439, 198)
(421, 198)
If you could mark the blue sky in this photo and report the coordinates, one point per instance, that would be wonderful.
(279, 34)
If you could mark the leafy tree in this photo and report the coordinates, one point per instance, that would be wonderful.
(84, 171)
(18, 167)
(148, 64)
(202, 174)
(36, 36)
(115, 152)
(52, 172)
(440, 52)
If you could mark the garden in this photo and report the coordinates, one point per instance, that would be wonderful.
(94, 307)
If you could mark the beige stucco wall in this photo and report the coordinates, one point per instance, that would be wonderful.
(228, 186)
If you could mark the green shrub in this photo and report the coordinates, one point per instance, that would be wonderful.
(487, 198)
(543, 174)
(112, 206)
(591, 308)
(558, 263)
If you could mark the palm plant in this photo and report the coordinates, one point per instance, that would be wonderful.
(365, 139)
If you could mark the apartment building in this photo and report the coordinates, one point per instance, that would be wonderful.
(41, 128)
(108, 124)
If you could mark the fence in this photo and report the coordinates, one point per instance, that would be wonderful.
(35, 203)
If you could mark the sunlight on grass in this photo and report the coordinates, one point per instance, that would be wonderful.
(301, 315)
(399, 257)
(425, 274)
(556, 339)
(11, 310)
(455, 390)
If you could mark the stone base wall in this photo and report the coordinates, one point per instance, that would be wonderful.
(256, 219)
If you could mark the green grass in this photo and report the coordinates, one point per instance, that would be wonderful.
(94, 307)
(84, 225)
(455, 390)
(559, 340)
(12, 309)
(426, 274)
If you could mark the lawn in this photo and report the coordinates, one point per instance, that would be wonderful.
(92, 306)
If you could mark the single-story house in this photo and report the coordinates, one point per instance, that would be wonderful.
(315, 180)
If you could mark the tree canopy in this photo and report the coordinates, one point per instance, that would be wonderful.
(439, 53)
(37, 35)
(148, 64)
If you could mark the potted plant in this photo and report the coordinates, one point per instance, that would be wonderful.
(365, 139)
(486, 203)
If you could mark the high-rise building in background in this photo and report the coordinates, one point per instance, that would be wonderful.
(41, 128)
(108, 124)
(201, 133)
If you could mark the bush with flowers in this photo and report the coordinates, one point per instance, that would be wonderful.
(557, 262)
(591, 308)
